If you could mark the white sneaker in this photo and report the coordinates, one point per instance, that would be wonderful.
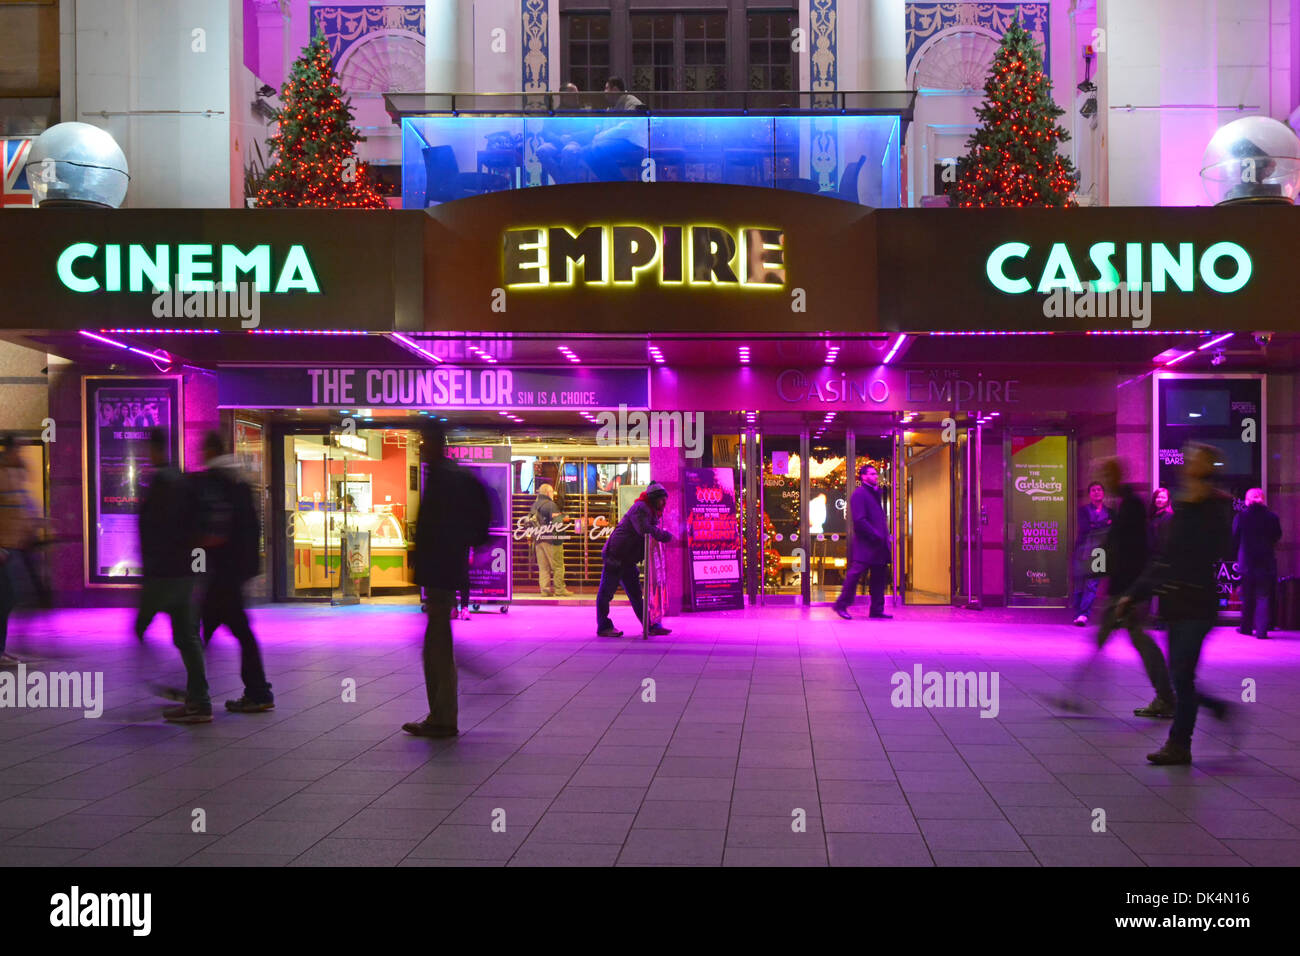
(464, 614)
(1081, 620)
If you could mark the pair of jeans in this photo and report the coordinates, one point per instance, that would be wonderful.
(611, 576)
(1084, 594)
(1152, 659)
(1257, 586)
(439, 659)
(550, 567)
(1185, 641)
(8, 597)
(878, 574)
(223, 603)
(175, 598)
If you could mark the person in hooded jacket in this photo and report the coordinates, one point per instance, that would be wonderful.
(228, 518)
(624, 550)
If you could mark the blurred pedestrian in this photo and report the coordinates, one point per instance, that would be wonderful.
(169, 532)
(1184, 577)
(623, 552)
(455, 515)
(1256, 532)
(1126, 551)
(1091, 528)
(870, 551)
(229, 533)
(18, 528)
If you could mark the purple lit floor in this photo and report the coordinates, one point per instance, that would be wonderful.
(756, 715)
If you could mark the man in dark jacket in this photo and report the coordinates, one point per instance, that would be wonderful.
(871, 548)
(229, 541)
(1184, 577)
(1126, 551)
(168, 535)
(1256, 531)
(455, 515)
(623, 551)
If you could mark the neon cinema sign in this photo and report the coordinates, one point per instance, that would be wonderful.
(140, 268)
(698, 255)
(1168, 269)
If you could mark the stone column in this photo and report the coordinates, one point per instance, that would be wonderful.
(441, 46)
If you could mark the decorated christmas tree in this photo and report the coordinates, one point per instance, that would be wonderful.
(771, 556)
(315, 165)
(1012, 158)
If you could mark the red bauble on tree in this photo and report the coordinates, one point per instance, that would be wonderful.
(1012, 158)
(315, 165)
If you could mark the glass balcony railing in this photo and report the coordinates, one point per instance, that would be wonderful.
(839, 144)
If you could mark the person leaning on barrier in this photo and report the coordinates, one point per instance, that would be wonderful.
(624, 550)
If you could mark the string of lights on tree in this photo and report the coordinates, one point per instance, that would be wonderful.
(1011, 159)
(315, 164)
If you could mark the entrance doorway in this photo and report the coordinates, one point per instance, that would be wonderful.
(940, 535)
(800, 473)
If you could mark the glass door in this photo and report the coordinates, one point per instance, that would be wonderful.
(829, 489)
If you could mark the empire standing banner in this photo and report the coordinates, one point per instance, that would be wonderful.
(1226, 412)
(1038, 520)
(713, 539)
(489, 565)
(120, 412)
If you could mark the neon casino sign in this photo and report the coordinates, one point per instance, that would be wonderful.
(1168, 269)
(691, 255)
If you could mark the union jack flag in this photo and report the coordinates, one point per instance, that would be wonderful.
(17, 191)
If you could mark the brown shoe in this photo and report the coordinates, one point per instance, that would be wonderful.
(1157, 708)
(422, 728)
(1170, 755)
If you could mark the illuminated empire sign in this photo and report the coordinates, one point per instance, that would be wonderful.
(197, 267)
(1167, 268)
(622, 255)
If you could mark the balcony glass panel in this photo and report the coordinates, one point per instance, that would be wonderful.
(845, 156)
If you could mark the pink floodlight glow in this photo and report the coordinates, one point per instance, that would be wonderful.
(152, 356)
(898, 342)
(1214, 341)
(415, 347)
(1178, 358)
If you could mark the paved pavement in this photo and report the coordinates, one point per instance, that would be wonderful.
(764, 737)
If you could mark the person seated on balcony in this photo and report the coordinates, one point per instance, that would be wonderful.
(561, 153)
(622, 145)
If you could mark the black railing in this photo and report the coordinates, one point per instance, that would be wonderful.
(714, 102)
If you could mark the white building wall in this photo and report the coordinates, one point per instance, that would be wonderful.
(136, 58)
(1194, 54)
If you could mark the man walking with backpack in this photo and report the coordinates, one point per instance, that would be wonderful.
(228, 520)
(455, 515)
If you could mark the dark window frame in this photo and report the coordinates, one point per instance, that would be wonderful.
(620, 32)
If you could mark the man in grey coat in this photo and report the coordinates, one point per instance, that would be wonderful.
(870, 550)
